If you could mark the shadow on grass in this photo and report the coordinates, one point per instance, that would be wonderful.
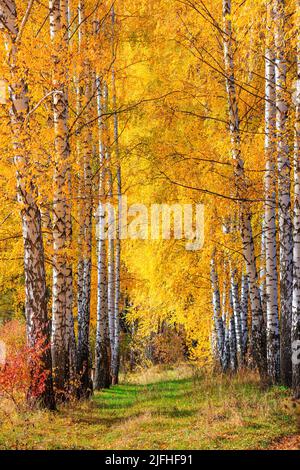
(149, 396)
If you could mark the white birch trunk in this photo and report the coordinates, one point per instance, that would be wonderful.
(226, 348)
(218, 322)
(232, 338)
(237, 316)
(262, 271)
(110, 267)
(296, 277)
(284, 198)
(111, 230)
(244, 314)
(102, 348)
(273, 342)
(71, 349)
(83, 354)
(61, 151)
(115, 364)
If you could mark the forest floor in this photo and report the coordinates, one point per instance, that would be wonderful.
(157, 409)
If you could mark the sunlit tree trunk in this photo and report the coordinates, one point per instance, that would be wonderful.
(273, 344)
(237, 315)
(226, 348)
(115, 363)
(61, 154)
(218, 321)
(80, 208)
(102, 349)
(71, 351)
(244, 314)
(110, 228)
(258, 330)
(111, 264)
(37, 324)
(262, 271)
(232, 338)
(284, 198)
(83, 354)
(296, 277)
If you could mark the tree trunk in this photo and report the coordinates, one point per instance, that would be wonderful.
(226, 348)
(284, 198)
(115, 364)
(273, 341)
(102, 350)
(218, 322)
(111, 266)
(110, 230)
(296, 277)
(244, 314)
(71, 350)
(83, 353)
(237, 316)
(61, 150)
(232, 339)
(262, 271)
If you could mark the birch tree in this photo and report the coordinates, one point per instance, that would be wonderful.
(218, 322)
(61, 153)
(237, 315)
(110, 229)
(117, 269)
(273, 343)
(83, 356)
(258, 331)
(296, 274)
(37, 324)
(262, 273)
(102, 377)
(244, 314)
(71, 352)
(226, 348)
(232, 338)
(284, 198)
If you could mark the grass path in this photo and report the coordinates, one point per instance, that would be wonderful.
(162, 410)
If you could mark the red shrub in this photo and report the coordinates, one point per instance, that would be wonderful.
(21, 369)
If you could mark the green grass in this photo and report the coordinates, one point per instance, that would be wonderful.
(174, 409)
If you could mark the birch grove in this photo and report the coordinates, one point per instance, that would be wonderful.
(112, 110)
